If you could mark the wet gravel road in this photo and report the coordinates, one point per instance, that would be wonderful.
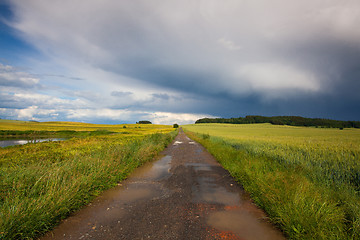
(185, 194)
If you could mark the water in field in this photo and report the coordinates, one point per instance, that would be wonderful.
(12, 142)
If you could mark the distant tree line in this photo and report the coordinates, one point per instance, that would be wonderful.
(285, 120)
(144, 122)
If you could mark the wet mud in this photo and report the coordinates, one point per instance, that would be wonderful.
(185, 194)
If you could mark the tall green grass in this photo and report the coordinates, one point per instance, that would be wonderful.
(306, 179)
(43, 183)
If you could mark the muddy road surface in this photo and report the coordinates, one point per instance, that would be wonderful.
(185, 194)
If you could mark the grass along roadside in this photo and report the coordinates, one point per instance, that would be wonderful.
(42, 183)
(305, 179)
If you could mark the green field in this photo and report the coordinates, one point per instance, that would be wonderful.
(42, 183)
(306, 179)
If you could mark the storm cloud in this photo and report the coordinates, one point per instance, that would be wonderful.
(204, 57)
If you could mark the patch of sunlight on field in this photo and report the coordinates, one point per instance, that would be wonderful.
(77, 126)
(324, 138)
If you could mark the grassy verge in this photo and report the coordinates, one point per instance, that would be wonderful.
(309, 190)
(42, 183)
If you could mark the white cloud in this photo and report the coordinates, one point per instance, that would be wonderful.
(27, 113)
(133, 116)
(88, 105)
(275, 76)
(6, 68)
(34, 113)
(48, 101)
(180, 118)
(229, 44)
(11, 77)
(339, 19)
(100, 113)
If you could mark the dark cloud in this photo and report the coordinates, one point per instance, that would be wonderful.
(230, 58)
(121, 94)
(162, 96)
(60, 76)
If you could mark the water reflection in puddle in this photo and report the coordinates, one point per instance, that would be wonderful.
(154, 171)
(130, 193)
(142, 185)
(177, 143)
(237, 214)
(210, 192)
(199, 166)
(243, 224)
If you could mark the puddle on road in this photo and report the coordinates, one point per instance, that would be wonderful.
(199, 166)
(208, 191)
(239, 216)
(142, 184)
(243, 224)
(199, 150)
(134, 192)
(154, 171)
(177, 143)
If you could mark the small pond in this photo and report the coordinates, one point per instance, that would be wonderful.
(12, 142)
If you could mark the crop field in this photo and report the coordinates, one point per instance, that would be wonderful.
(306, 179)
(42, 183)
(13, 125)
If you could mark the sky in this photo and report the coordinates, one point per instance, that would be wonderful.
(175, 61)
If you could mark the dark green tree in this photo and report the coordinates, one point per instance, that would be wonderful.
(144, 122)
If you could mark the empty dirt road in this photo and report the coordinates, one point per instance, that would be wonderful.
(185, 194)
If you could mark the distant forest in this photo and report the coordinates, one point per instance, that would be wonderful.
(285, 120)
